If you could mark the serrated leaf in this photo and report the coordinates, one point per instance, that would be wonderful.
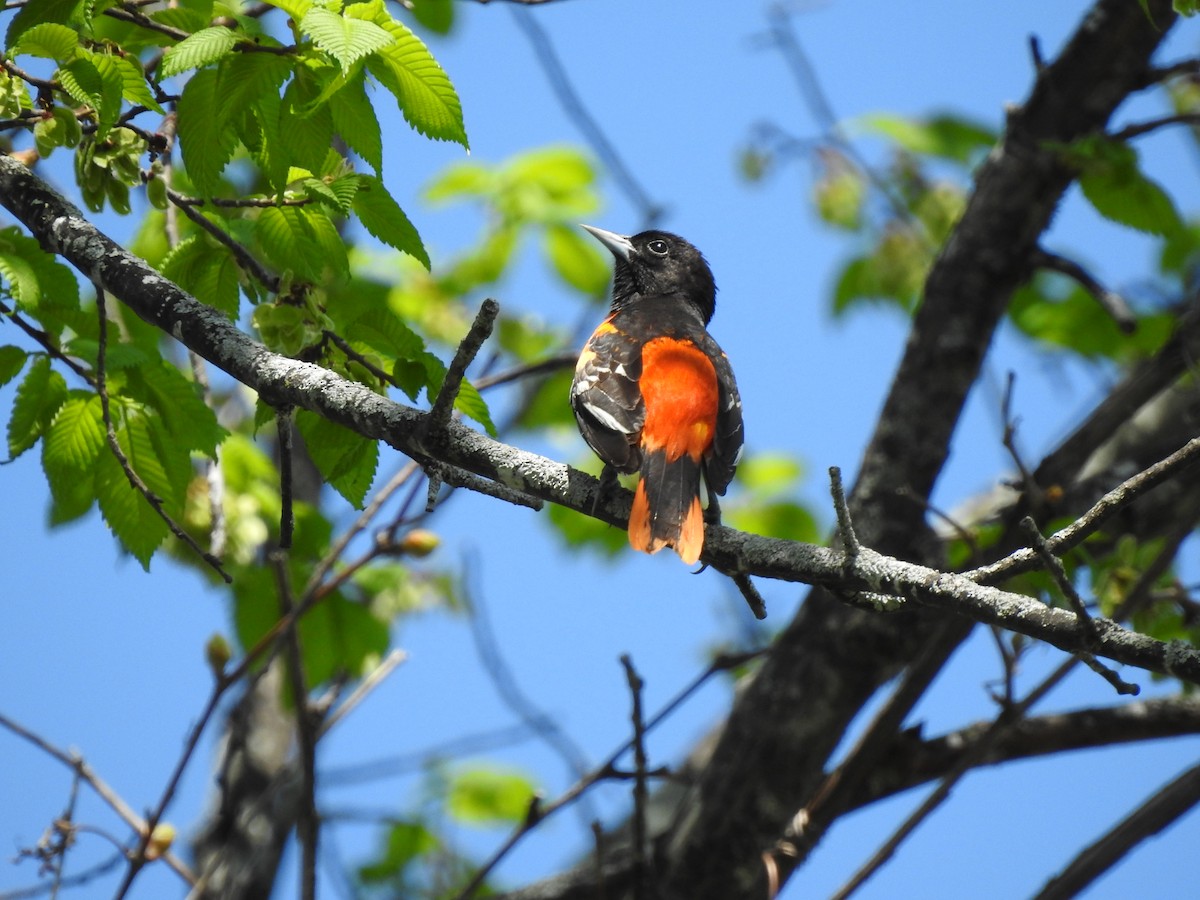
(206, 271)
(346, 40)
(33, 14)
(488, 796)
(76, 437)
(298, 239)
(48, 41)
(345, 458)
(185, 418)
(36, 278)
(206, 147)
(305, 128)
(112, 82)
(12, 361)
(133, 84)
(38, 398)
(125, 509)
(203, 48)
(423, 91)
(82, 81)
(382, 216)
(355, 120)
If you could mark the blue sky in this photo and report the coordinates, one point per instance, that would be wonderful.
(101, 657)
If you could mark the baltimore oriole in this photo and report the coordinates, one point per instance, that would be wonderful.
(653, 393)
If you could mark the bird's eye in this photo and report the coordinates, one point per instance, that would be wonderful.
(657, 247)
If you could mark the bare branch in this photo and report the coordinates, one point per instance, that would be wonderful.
(641, 872)
(1110, 301)
(481, 328)
(1159, 811)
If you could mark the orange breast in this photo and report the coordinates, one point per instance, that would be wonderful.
(679, 387)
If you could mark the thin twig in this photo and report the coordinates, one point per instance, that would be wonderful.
(47, 342)
(750, 593)
(942, 791)
(845, 525)
(243, 256)
(1026, 559)
(285, 423)
(641, 873)
(1137, 129)
(374, 679)
(510, 691)
(1110, 301)
(307, 820)
(80, 767)
(1009, 438)
(605, 770)
(564, 360)
(560, 82)
(114, 445)
(1155, 814)
(481, 328)
(1058, 572)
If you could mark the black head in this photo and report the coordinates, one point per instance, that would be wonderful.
(658, 262)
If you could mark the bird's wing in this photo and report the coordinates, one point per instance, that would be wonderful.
(606, 397)
(727, 440)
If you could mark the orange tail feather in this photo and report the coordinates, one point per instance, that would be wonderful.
(666, 507)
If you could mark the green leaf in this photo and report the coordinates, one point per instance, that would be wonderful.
(1185, 8)
(345, 458)
(346, 40)
(305, 127)
(49, 41)
(780, 519)
(436, 15)
(577, 260)
(303, 240)
(422, 89)
(355, 120)
(203, 48)
(33, 14)
(12, 361)
(112, 88)
(767, 474)
(463, 180)
(949, 137)
(125, 509)
(82, 81)
(1062, 314)
(489, 796)
(470, 403)
(206, 146)
(35, 278)
(205, 270)
(406, 843)
(39, 396)
(382, 333)
(133, 83)
(296, 9)
(185, 418)
(382, 216)
(339, 636)
(580, 531)
(76, 437)
(1114, 184)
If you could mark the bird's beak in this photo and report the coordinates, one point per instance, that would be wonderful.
(620, 246)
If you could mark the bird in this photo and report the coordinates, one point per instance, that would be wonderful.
(653, 393)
